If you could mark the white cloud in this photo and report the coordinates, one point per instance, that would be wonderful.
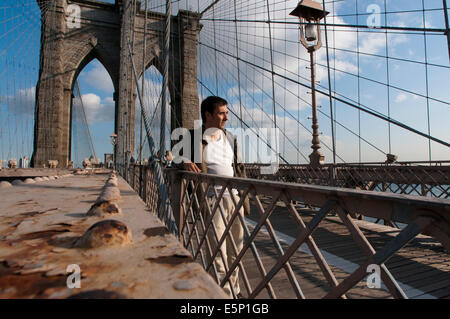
(291, 60)
(21, 103)
(97, 110)
(372, 43)
(401, 98)
(98, 78)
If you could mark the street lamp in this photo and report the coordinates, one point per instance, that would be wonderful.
(310, 13)
(113, 137)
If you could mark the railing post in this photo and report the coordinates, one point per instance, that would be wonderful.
(136, 170)
(424, 189)
(135, 178)
(141, 168)
(332, 175)
(131, 176)
(175, 195)
(145, 184)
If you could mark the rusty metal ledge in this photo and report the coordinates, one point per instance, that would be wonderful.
(40, 222)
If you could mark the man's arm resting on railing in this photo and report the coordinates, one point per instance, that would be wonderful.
(191, 167)
(186, 164)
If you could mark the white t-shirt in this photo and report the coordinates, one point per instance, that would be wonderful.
(218, 156)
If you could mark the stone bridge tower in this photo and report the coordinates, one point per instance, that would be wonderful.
(103, 31)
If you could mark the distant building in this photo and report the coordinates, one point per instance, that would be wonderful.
(109, 159)
(24, 162)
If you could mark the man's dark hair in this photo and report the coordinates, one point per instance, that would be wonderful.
(209, 105)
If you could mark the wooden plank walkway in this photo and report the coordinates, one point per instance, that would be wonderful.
(422, 268)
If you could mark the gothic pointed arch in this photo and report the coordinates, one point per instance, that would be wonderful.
(82, 57)
(104, 33)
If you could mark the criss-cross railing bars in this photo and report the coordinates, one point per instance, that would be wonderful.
(191, 202)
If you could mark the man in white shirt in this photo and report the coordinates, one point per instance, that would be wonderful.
(219, 156)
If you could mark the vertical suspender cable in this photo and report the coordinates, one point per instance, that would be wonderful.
(177, 121)
(273, 74)
(285, 83)
(447, 27)
(144, 51)
(129, 128)
(359, 82)
(162, 142)
(132, 94)
(165, 212)
(334, 76)
(85, 119)
(15, 106)
(387, 79)
(125, 135)
(8, 121)
(426, 80)
(200, 59)
(237, 63)
(262, 84)
(215, 52)
(298, 104)
(329, 86)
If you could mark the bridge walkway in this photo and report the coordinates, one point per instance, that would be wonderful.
(40, 223)
(422, 267)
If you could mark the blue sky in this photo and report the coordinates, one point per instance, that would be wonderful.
(18, 77)
(407, 80)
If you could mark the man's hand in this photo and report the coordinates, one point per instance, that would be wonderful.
(192, 167)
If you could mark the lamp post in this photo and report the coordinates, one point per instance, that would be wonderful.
(113, 137)
(310, 13)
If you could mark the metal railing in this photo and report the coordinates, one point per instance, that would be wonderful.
(147, 181)
(194, 207)
(431, 179)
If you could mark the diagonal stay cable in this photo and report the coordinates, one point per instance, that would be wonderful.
(209, 7)
(373, 113)
(164, 207)
(85, 119)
